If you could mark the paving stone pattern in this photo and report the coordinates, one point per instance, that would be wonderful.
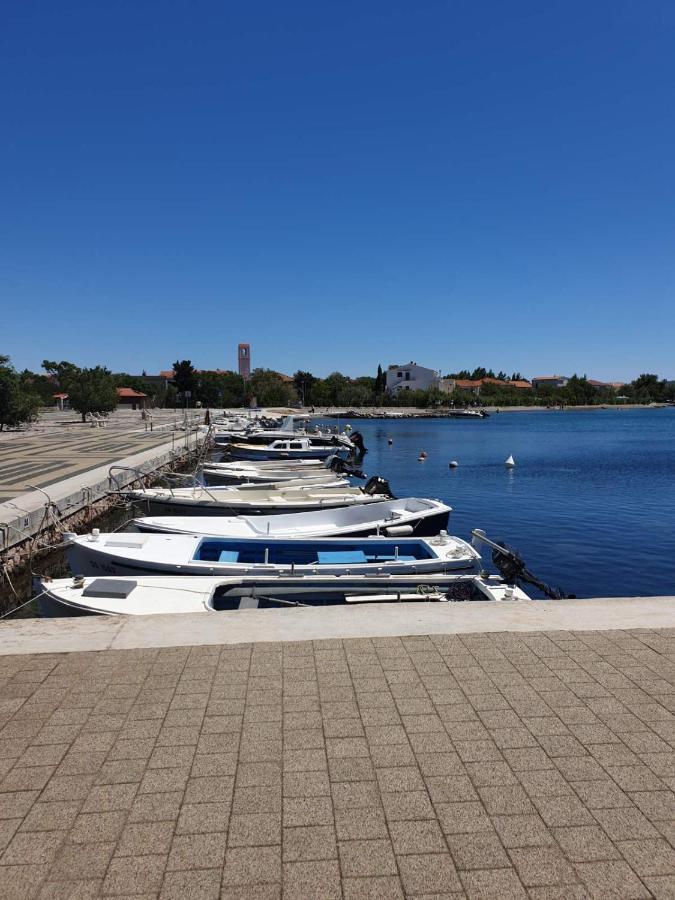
(43, 460)
(487, 766)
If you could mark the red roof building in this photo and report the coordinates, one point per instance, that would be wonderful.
(129, 397)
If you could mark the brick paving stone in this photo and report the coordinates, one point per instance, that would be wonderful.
(566, 810)
(611, 880)
(309, 843)
(522, 831)
(477, 851)
(432, 873)
(252, 865)
(192, 885)
(134, 875)
(201, 818)
(407, 805)
(307, 811)
(474, 765)
(316, 880)
(254, 830)
(365, 858)
(625, 824)
(585, 843)
(648, 857)
(100, 826)
(420, 836)
(360, 824)
(463, 818)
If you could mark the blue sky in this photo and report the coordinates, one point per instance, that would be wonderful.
(459, 183)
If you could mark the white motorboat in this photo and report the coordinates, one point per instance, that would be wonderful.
(327, 479)
(200, 500)
(289, 429)
(406, 516)
(193, 554)
(177, 594)
(264, 471)
(296, 448)
(215, 474)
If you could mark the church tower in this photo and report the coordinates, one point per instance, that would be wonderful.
(245, 361)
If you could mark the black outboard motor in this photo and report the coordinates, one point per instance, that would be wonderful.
(512, 568)
(345, 467)
(357, 440)
(378, 485)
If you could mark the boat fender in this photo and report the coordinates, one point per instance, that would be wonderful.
(395, 530)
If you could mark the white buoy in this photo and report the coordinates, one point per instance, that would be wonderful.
(510, 462)
(453, 464)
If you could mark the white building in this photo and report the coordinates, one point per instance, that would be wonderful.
(553, 381)
(411, 377)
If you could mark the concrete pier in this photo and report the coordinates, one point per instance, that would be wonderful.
(69, 463)
(508, 754)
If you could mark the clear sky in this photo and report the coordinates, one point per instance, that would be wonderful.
(460, 183)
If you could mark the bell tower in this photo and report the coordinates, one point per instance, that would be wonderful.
(244, 355)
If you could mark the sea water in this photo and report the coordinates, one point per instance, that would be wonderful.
(590, 503)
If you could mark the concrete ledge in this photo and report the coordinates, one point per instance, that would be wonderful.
(372, 620)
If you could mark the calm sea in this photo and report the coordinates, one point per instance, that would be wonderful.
(590, 504)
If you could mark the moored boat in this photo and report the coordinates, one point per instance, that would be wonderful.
(405, 516)
(156, 595)
(295, 448)
(190, 554)
(200, 500)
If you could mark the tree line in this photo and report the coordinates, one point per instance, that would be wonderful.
(94, 390)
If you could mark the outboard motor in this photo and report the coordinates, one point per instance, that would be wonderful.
(378, 485)
(513, 569)
(345, 467)
(357, 440)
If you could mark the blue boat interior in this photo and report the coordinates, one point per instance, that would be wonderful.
(301, 553)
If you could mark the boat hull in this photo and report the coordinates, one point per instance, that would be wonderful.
(193, 555)
(162, 596)
(422, 526)
(267, 453)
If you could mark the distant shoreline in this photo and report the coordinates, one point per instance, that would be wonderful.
(415, 412)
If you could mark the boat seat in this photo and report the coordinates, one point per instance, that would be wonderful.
(228, 556)
(342, 556)
(392, 558)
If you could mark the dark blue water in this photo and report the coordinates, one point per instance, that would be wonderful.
(590, 504)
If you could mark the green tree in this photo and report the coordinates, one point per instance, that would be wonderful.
(89, 390)
(304, 381)
(226, 389)
(270, 389)
(380, 382)
(646, 388)
(185, 380)
(18, 402)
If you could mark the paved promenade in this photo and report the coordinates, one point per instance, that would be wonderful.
(487, 765)
(59, 447)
